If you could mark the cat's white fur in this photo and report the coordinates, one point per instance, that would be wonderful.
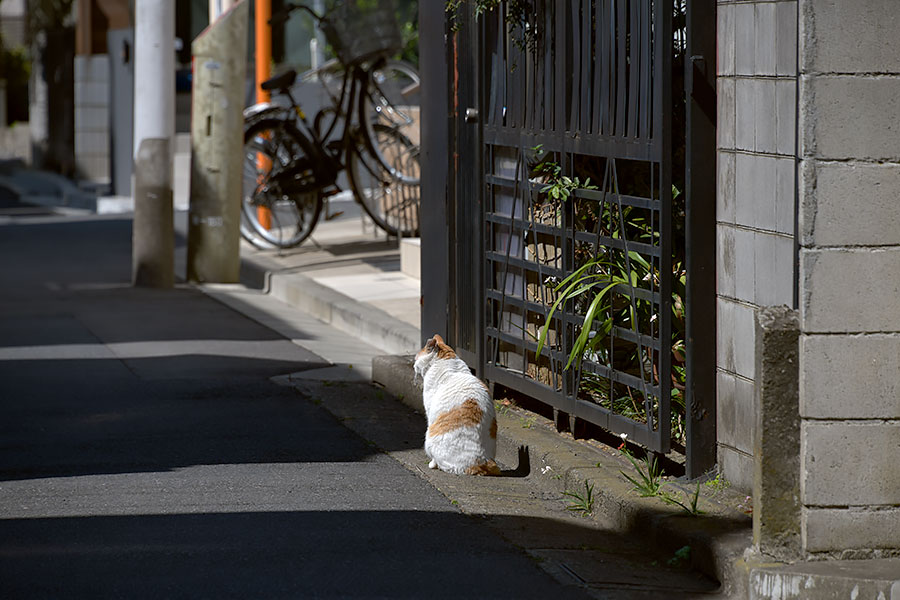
(462, 426)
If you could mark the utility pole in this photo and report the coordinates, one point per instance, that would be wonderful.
(217, 135)
(263, 53)
(153, 237)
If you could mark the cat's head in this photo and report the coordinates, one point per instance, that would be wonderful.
(434, 349)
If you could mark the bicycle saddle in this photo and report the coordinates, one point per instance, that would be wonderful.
(280, 82)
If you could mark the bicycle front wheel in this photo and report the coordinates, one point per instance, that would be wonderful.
(385, 180)
(281, 200)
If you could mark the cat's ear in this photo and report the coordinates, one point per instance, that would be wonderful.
(429, 345)
(438, 339)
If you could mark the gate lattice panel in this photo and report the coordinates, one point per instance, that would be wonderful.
(591, 95)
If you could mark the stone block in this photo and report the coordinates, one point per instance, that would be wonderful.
(785, 193)
(853, 204)
(764, 256)
(765, 39)
(776, 449)
(774, 269)
(737, 467)
(411, 257)
(786, 38)
(744, 39)
(744, 340)
(736, 412)
(847, 463)
(725, 407)
(725, 39)
(849, 290)
(755, 180)
(785, 117)
(92, 142)
(850, 376)
(765, 115)
(725, 337)
(851, 37)
(94, 118)
(725, 284)
(851, 117)
(745, 264)
(725, 126)
(744, 113)
(725, 209)
(842, 529)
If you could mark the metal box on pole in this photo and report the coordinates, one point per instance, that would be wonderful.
(220, 66)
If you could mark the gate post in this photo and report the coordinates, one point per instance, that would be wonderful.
(700, 235)
(434, 161)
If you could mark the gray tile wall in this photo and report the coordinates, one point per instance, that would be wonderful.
(757, 97)
(92, 133)
(849, 182)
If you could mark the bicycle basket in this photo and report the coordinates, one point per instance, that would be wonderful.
(362, 30)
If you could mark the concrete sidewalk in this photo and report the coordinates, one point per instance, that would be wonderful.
(348, 274)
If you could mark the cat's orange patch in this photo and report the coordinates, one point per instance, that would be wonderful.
(493, 430)
(488, 467)
(467, 414)
(445, 351)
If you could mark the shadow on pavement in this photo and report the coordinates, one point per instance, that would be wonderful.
(412, 554)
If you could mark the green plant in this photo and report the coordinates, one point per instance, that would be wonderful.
(583, 503)
(681, 557)
(690, 507)
(517, 14)
(529, 422)
(649, 479)
(718, 483)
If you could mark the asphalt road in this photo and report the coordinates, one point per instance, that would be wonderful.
(144, 453)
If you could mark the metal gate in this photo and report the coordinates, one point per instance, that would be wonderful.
(563, 164)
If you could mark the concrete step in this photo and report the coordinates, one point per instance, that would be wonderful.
(877, 579)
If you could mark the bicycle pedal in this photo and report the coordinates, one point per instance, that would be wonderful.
(334, 215)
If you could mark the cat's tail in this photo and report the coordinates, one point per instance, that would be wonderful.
(488, 467)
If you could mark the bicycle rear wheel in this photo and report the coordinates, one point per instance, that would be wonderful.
(390, 196)
(282, 199)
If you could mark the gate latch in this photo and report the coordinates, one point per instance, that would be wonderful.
(471, 115)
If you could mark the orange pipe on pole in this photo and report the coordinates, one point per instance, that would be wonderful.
(263, 71)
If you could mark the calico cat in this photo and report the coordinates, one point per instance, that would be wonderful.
(462, 427)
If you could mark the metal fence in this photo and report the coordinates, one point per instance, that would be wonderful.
(561, 139)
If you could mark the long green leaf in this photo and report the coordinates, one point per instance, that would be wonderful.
(583, 337)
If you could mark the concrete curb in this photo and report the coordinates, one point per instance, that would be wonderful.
(369, 324)
(718, 539)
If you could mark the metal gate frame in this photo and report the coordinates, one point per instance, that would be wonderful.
(460, 242)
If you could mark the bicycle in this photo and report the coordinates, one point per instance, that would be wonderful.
(291, 166)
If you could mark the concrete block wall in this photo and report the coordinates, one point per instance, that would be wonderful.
(92, 134)
(757, 96)
(849, 192)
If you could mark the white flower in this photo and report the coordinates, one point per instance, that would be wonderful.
(623, 436)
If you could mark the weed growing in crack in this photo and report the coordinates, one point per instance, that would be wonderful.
(581, 503)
